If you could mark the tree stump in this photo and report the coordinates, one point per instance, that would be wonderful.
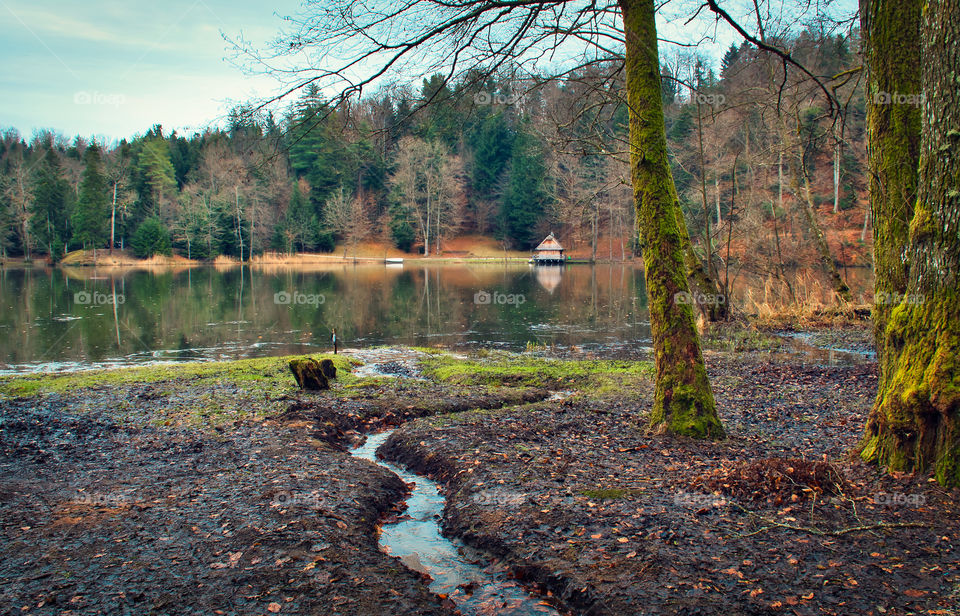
(328, 369)
(309, 374)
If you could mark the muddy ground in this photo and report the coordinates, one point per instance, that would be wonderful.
(101, 515)
(109, 506)
(779, 518)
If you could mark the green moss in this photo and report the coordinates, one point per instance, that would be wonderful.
(597, 377)
(609, 493)
(915, 423)
(269, 372)
(683, 401)
(921, 225)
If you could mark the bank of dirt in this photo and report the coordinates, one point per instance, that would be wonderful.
(120, 514)
(779, 518)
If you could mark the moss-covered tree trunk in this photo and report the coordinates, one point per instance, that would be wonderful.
(683, 400)
(891, 37)
(915, 424)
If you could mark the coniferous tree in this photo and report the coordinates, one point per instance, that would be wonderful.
(151, 239)
(527, 194)
(90, 216)
(157, 174)
(50, 209)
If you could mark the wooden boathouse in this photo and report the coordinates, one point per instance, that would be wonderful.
(549, 252)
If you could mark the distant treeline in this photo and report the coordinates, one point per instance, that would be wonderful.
(493, 155)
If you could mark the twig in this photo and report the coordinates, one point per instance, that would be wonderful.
(834, 533)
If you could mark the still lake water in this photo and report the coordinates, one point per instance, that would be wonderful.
(69, 318)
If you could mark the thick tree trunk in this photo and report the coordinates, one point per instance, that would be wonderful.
(915, 424)
(683, 400)
(891, 33)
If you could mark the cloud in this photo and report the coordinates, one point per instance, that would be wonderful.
(56, 27)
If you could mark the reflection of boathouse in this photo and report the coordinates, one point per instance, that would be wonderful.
(549, 277)
(549, 252)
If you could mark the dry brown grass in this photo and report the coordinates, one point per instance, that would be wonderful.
(121, 259)
(810, 305)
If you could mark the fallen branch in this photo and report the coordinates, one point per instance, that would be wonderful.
(834, 533)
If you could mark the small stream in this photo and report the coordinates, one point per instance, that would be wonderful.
(416, 540)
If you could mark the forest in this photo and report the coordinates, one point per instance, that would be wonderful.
(760, 165)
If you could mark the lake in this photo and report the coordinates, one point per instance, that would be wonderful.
(70, 318)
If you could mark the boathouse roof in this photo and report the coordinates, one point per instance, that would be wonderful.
(549, 243)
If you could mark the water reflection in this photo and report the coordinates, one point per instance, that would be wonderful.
(78, 317)
(57, 318)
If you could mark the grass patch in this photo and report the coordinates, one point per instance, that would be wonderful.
(261, 373)
(735, 338)
(520, 370)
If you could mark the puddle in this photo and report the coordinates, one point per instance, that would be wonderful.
(386, 361)
(416, 540)
(805, 344)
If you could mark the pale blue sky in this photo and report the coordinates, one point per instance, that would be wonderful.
(113, 68)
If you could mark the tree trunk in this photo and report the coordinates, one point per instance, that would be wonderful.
(236, 193)
(683, 401)
(426, 232)
(595, 231)
(707, 291)
(707, 244)
(915, 424)
(836, 179)
(776, 225)
(113, 218)
(704, 280)
(892, 51)
(836, 282)
(716, 194)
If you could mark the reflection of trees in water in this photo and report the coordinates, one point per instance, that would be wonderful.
(235, 308)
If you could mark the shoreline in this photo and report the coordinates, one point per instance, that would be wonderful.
(299, 260)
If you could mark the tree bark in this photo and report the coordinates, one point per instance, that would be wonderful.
(683, 401)
(915, 423)
(836, 179)
(891, 33)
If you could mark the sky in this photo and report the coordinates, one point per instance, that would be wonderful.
(113, 68)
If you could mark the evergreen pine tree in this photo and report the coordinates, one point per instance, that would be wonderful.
(50, 216)
(90, 217)
(527, 194)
